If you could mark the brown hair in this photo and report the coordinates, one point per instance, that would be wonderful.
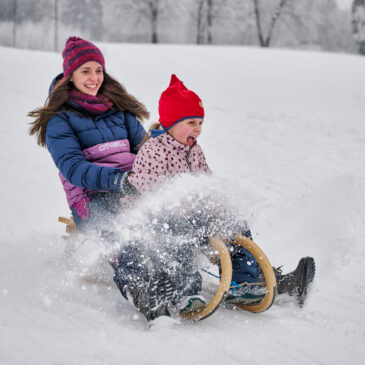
(110, 88)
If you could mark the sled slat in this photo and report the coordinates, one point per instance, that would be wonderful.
(268, 271)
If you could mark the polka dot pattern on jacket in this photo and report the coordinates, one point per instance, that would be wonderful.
(162, 158)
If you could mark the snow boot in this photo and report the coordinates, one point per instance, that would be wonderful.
(245, 293)
(296, 283)
(151, 297)
(192, 303)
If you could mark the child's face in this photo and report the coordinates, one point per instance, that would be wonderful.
(88, 77)
(187, 131)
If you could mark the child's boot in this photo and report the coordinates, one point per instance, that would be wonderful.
(245, 293)
(192, 303)
(296, 283)
(151, 297)
(248, 286)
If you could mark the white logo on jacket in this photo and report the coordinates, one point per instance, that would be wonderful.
(109, 145)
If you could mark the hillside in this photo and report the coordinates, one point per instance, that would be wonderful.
(285, 136)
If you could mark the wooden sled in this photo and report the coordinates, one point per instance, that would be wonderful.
(226, 274)
(71, 231)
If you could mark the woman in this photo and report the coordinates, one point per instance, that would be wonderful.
(91, 126)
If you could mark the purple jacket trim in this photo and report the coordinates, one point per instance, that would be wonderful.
(82, 209)
(112, 154)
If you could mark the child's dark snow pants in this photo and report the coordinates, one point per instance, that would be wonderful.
(133, 261)
(136, 262)
(245, 268)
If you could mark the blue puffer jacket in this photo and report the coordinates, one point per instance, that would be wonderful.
(72, 131)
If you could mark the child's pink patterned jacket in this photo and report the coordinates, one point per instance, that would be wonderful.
(163, 157)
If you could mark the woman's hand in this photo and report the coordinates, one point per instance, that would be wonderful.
(126, 187)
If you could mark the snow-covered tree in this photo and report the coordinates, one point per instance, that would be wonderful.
(86, 15)
(206, 12)
(14, 22)
(6, 10)
(358, 24)
(32, 11)
(150, 11)
(268, 13)
(56, 17)
(200, 22)
(311, 24)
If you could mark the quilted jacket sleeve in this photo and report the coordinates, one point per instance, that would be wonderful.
(135, 129)
(66, 152)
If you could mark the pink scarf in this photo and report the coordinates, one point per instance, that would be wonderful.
(95, 104)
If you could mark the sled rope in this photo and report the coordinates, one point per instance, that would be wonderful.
(208, 272)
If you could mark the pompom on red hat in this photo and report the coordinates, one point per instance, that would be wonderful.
(177, 103)
(77, 52)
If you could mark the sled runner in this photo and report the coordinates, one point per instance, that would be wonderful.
(268, 271)
(224, 283)
(70, 225)
(222, 289)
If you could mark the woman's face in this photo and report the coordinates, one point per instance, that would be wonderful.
(187, 131)
(88, 77)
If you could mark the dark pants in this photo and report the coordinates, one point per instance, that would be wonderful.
(136, 260)
(178, 260)
(103, 207)
(245, 268)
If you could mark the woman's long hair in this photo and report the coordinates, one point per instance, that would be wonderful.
(110, 88)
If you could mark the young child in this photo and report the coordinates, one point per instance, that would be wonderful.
(173, 149)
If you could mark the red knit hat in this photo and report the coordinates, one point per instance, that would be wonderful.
(77, 52)
(178, 103)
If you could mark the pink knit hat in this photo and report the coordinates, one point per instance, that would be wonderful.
(77, 52)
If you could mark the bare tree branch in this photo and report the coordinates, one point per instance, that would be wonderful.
(274, 19)
(265, 41)
(258, 23)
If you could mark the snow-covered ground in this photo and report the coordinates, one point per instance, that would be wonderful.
(285, 136)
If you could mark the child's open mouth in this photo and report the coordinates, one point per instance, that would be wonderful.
(190, 140)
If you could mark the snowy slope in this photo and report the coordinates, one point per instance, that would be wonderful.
(285, 136)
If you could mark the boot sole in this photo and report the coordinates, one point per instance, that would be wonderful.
(194, 304)
(309, 270)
